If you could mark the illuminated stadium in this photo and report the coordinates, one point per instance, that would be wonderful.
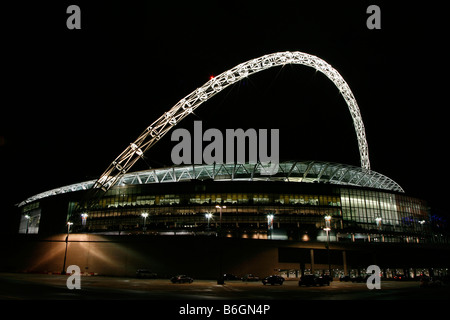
(179, 199)
(287, 220)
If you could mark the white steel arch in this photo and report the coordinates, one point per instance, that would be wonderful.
(189, 103)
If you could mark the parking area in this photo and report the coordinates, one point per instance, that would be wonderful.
(44, 286)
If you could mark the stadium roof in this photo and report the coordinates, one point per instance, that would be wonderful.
(290, 171)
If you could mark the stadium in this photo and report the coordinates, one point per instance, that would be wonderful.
(208, 219)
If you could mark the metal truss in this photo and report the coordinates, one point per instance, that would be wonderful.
(153, 133)
(298, 171)
(292, 171)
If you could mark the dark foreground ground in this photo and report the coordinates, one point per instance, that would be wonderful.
(161, 294)
(15, 286)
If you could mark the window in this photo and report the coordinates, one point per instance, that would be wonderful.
(29, 221)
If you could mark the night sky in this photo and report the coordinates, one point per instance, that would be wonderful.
(72, 100)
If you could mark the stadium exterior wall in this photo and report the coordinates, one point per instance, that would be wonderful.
(199, 256)
(298, 211)
(366, 225)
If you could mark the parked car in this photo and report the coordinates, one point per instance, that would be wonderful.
(229, 276)
(326, 278)
(344, 278)
(433, 281)
(181, 279)
(401, 277)
(145, 274)
(313, 280)
(274, 279)
(358, 279)
(250, 277)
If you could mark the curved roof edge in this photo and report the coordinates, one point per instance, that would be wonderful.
(289, 171)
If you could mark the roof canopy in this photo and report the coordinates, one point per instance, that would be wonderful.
(290, 171)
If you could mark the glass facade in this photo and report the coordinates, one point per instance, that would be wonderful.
(357, 214)
(30, 218)
(386, 213)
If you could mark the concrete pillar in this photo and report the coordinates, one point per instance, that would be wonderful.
(302, 268)
(312, 260)
(344, 262)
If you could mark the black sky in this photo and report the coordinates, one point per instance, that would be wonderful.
(74, 99)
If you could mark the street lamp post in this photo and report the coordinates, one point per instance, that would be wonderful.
(208, 216)
(220, 220)
(65, 252)
(28, 221)
(144, 215)
(220, 279)
(328, 229)
(83, 219)
(269, 225)
(378, 222)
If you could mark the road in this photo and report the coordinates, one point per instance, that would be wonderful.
(15, 286)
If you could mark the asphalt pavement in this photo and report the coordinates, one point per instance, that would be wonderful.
(16, 286)
(112, 297)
